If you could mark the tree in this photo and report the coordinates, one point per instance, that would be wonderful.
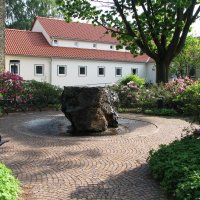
(2, 35)
(158, 27)
(188, 60)
(20, 14)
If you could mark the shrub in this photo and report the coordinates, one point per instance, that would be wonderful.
(13, 93)
(176, 167)
(179, 85)
(43, 94)
(17, 94)
(161, 112)
(128, 94)
(132, 78)
(9, 185)
(189, 189)
(190, 98)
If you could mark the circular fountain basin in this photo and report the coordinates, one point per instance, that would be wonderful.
(59, 125)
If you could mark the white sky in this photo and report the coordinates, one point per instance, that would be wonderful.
(196, 28)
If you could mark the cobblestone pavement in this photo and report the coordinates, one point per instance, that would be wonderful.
(93, 168)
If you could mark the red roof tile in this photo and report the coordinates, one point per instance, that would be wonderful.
(29, 43)
(76, 31)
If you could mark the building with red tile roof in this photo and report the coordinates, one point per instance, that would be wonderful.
(71, 54)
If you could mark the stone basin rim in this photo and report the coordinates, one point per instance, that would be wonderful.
(24, 129)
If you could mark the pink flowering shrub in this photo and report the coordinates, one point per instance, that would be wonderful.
(12, 90)
(179, 85)
(191, 100)
(133, 95)
(17, 94)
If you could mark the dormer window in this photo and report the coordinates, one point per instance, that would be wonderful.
(55, 42)
(76, 44)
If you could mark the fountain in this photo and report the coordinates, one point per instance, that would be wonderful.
(89, 109)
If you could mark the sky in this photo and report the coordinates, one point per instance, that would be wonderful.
(196, 28)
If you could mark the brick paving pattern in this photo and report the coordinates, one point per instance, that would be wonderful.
(92, 168)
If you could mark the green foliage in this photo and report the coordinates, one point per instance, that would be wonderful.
(188, 60)
(21, 14)
(158, 28)
(191, 101)
(189, 189)
(176, 167)
(13, 93)
(17, 94)
(181, 96)
(134, 78)
(9, 185)
(43, 94)
(161, 112)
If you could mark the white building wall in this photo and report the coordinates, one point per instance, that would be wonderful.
(73, 79)
(151, 73)
(38, 28)
(27, 67)
(86, 45)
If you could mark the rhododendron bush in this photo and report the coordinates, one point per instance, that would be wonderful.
(13, 91)
(18, 94)
(182, 95)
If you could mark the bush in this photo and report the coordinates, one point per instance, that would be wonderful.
(9, 185)
(176, 167)
(171, 95)
(132, 78)
(13, 93)
(161, 112)
(43, 94)
(17, 94)
(190, 98)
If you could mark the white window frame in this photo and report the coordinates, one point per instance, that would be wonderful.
(35, 66)
(100, 75)
(18, 67)
(79, 67)
(58, 66)
(135, 69)
(116, 68)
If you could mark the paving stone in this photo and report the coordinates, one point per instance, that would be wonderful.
(91, 168)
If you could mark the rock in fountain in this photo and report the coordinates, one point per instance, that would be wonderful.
(89, 109)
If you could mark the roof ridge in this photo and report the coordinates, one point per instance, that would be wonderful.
(14, 29)
(60, 19)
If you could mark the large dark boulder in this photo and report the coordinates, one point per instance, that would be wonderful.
(89, 109)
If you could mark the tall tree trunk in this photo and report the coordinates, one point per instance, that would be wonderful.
(162, 72)
(2, 36)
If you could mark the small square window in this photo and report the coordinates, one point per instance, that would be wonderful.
(94, 45)
(62, 70)
(118, 71)
(82, 70)
(111, 46)
(14, 68)
(39, 69)
(101, 71)
(134, 71)
(76, 44)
